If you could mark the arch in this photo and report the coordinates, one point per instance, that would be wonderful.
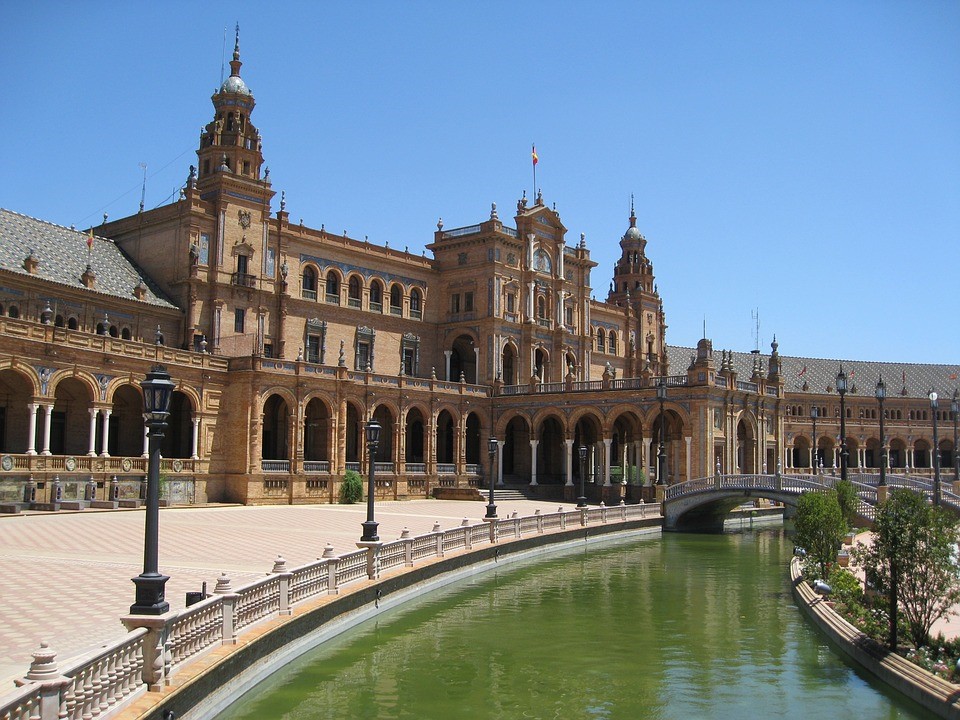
(13, 311)
(354, 290)
(898, 453)
(384, 414)
(624, 432)
(70, 420)
(463, 360)
(415, 440)
(308, 282)
(922, 457)
(274, 438)
(332, 283)
(612, 343)
(471, 439)
(396, 299)
(376, 295)
(72, 323)
(587, 433)
(853, 452)
(113, 331)
(58, 321)
(508, 364)
(601, 341)
(541, 362)
(353, 432)
(416, 303)
(445, 432)
(125, 333)
(801, 452)
(317, 429)
(86, 379)
(178, 438)
(946, 454)
(125, 436)
(516, 449)
(872, 453)
(674, 422)
(16, 390)
(747, 444)
(550, 450)
(570, 360)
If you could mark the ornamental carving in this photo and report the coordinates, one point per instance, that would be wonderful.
(244, 217)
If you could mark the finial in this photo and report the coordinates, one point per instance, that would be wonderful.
(283, 200)
(236, 43)
(440, 224)
(191, 181)
(493, 211)
(583, 240)
(342, 362)
(104, 218)
(266, 173)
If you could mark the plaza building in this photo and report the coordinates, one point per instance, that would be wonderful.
(285, 340)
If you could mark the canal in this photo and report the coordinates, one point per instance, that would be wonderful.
(683, 626)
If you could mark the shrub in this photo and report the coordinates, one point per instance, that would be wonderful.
(351, 489)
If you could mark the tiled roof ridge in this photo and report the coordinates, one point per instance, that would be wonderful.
(897, 363)
(95, 291)
(57, 225)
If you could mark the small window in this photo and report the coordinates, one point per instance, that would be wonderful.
(468, 302)
(568, 315)
(416, 303)
(601, 341)
(268, 350)
(613, 343)
(354, 293)
(242, 263)
(309, 283)
(455, 303)
(72, 323)
(204, 249)
(239, 315)
(363, 355)
(125, 333)
(13, 311)
(511, 303)
(333, 288)
(313, 348)
(396, 300)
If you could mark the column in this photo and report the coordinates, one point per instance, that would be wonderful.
(32, 429)
(687, 440)
(533, 461)
(92, 452)
(569, 458)
(530, 302)
(446, 355)
(105, 439)
(146, 442)
(476, 357)
(638, 458)
(606, 460)
(196, 438)
(47, 412)
(650, 460)
(500, 444)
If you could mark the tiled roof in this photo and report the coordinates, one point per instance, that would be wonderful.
(62, 254)
(816, 375)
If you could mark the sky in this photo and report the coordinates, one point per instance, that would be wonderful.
(793, 161)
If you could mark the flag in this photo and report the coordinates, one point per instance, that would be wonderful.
(802, 372)
(953, 376)
(90, 240)
(533, 154)
(852, 373)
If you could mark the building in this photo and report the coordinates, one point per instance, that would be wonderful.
(285, 340)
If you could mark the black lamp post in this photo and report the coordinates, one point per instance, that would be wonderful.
(582, 500)
(157, 391)
(842, 389)
(955, 409)
(934, 405)
(370, 525)
(814, 414)
(661, 451)
(881, 396)
(492, 449)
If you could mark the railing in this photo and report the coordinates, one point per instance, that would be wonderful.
(102, 682)
(317, 466)
(355, 466)
(458, 232)
(396, 310)
(446, 468)
(747, 386)
(376, 307)
(309, 294)
(383, 467)
(720, 381)
(243, 279)
(472, 468)
(275, 466)
(353, 302)
(414, 468)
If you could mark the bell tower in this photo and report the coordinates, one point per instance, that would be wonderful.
(230, 143)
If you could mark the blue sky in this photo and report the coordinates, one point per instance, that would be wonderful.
(801, 160)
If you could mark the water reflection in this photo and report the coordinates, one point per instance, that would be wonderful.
(679, 627)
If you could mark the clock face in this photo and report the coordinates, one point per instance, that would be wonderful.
(541, 262)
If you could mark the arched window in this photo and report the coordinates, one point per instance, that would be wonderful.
(396, 300)
(309, 283)
(416, 303)
(58, 321)
(113, 331)
(601, 341)
(541, 308)
(125, 334)
(376, 296)
(13, 311)
(72, 323)
(613, 343)
(354, 292)
(333, 288)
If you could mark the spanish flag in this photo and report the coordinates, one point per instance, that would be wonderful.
(90, 240)
(533, 154)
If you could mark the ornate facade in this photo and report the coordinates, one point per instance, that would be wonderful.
(284, 340)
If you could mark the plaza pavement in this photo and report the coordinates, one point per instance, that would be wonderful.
(65, 577)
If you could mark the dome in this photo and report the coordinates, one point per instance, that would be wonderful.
(633, 233)
(235, 84)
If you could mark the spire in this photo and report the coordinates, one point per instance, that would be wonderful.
(235, 63)
(633, 215)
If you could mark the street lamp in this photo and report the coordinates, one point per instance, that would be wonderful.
(157, 391)
(373, 439)
(814, 414)
(842, 389)
(936, 449)
(582, 500)
(955, 409)
(492, 449)
(661, 452)
(881, 396)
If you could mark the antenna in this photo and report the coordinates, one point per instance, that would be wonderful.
(755, 316)
(704, 327)
(223, 53)
(143, 189)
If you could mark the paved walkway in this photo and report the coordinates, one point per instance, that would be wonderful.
(65, 577)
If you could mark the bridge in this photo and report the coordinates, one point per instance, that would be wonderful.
(703, 503)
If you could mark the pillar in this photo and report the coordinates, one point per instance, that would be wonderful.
(47, 412)
(476, 364)
(92, 452)
(446, 355)
(146, 441)
(638, 457)
(196, 438)
(500, 444)
(687, 440)
(606, 460)
(569, 461)
(105, 440)
(533, 461)
(32, 429)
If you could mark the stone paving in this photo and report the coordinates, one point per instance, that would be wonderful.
(65, 577)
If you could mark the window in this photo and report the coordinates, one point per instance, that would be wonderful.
(511, 303)
(333, 288)
(468, 302)
(541, 308)
(455, 303)
(204, 248)
(72, 323)
(239, 315)
(270, 263)
(363, 349)
(313, 348)
(410, 354)
(309, 283)
(613, 343)
(416, 304)
(316, 340)
(353, 292)
(376, 296)
(396, 300)
(268, 350)
(242, 264)
(568, 315)
(601, 341)
(363, 355)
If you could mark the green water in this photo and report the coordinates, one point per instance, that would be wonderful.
(683, 626)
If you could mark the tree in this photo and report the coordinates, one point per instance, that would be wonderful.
(911, 561)
(351, 490)
(820, 528)
(847, 498)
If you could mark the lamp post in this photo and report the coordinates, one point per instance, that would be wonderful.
(842, 389)
(157, 391)
(814, 414)
(492, 449)
(881, 392)
(582, 500)
(373, 439)
(934, 404)
(955, 409)
(661, 451)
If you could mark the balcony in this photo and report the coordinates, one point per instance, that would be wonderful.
(243, 279)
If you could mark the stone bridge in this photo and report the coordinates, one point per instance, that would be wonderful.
(703, 503)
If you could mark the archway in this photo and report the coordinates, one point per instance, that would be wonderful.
(70, 420)
(550, 449)
(898, 453)
(801, 452)
(921, 455)
(508, 360)
(414, 445)
(445, 437)
(353, 432)
(316, 430)
(383, 416)
(746, 447)
(516, 450)
(276, 416)
(126, 422)
(15, 394)
(178, 437)
(625, 461)
(587, 433)
(463, 360)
